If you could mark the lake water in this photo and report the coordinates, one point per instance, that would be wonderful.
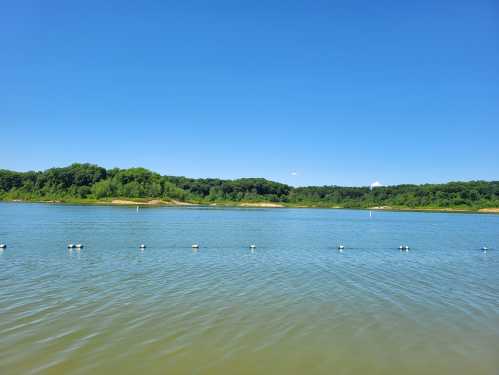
(294, 305)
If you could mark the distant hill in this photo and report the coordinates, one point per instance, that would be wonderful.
(91, 183)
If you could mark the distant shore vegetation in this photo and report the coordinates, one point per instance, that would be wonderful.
(91, 183)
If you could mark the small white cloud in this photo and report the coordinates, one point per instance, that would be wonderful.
(294, 173)
(376, 184)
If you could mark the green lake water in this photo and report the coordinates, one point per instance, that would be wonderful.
(293, 305)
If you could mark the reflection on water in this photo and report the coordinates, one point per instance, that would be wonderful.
(293, 304)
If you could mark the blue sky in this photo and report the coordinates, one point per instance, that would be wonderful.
(320, 92)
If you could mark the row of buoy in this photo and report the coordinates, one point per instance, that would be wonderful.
(252, 246)
(196, 246)
(142, 246)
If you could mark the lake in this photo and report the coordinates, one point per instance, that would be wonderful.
(293, 305)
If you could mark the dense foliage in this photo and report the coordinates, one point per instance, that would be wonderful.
(91, 182)
(473, 194)
(86, 181)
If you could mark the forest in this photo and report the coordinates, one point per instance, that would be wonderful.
(89, 183)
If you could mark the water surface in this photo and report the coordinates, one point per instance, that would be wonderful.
(293, 305)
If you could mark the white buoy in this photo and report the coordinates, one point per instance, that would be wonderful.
(404, 247)
(195, 246)
(484, 248)
(142, 246)
(3, 246)
(341, 247)
(71, 246)
(252, 246)
(79, 246)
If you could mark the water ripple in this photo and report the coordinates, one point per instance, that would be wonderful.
(293, 304)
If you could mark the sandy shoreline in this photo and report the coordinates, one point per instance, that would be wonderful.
(176, 203)
(269, 205)
(173, 202)
(489, 210)
(153, 202)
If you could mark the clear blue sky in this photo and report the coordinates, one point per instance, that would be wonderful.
(311, 92)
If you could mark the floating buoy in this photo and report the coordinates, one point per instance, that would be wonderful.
(142, 246)
(252, 246)
(71, 246)
(195, 246)
(3, 246)
(79, 246)
(484, 248)
(341, 247)
(402, 247)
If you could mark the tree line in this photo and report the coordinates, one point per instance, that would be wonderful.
(91, 182)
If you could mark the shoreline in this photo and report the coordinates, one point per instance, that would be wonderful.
(176, 203)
